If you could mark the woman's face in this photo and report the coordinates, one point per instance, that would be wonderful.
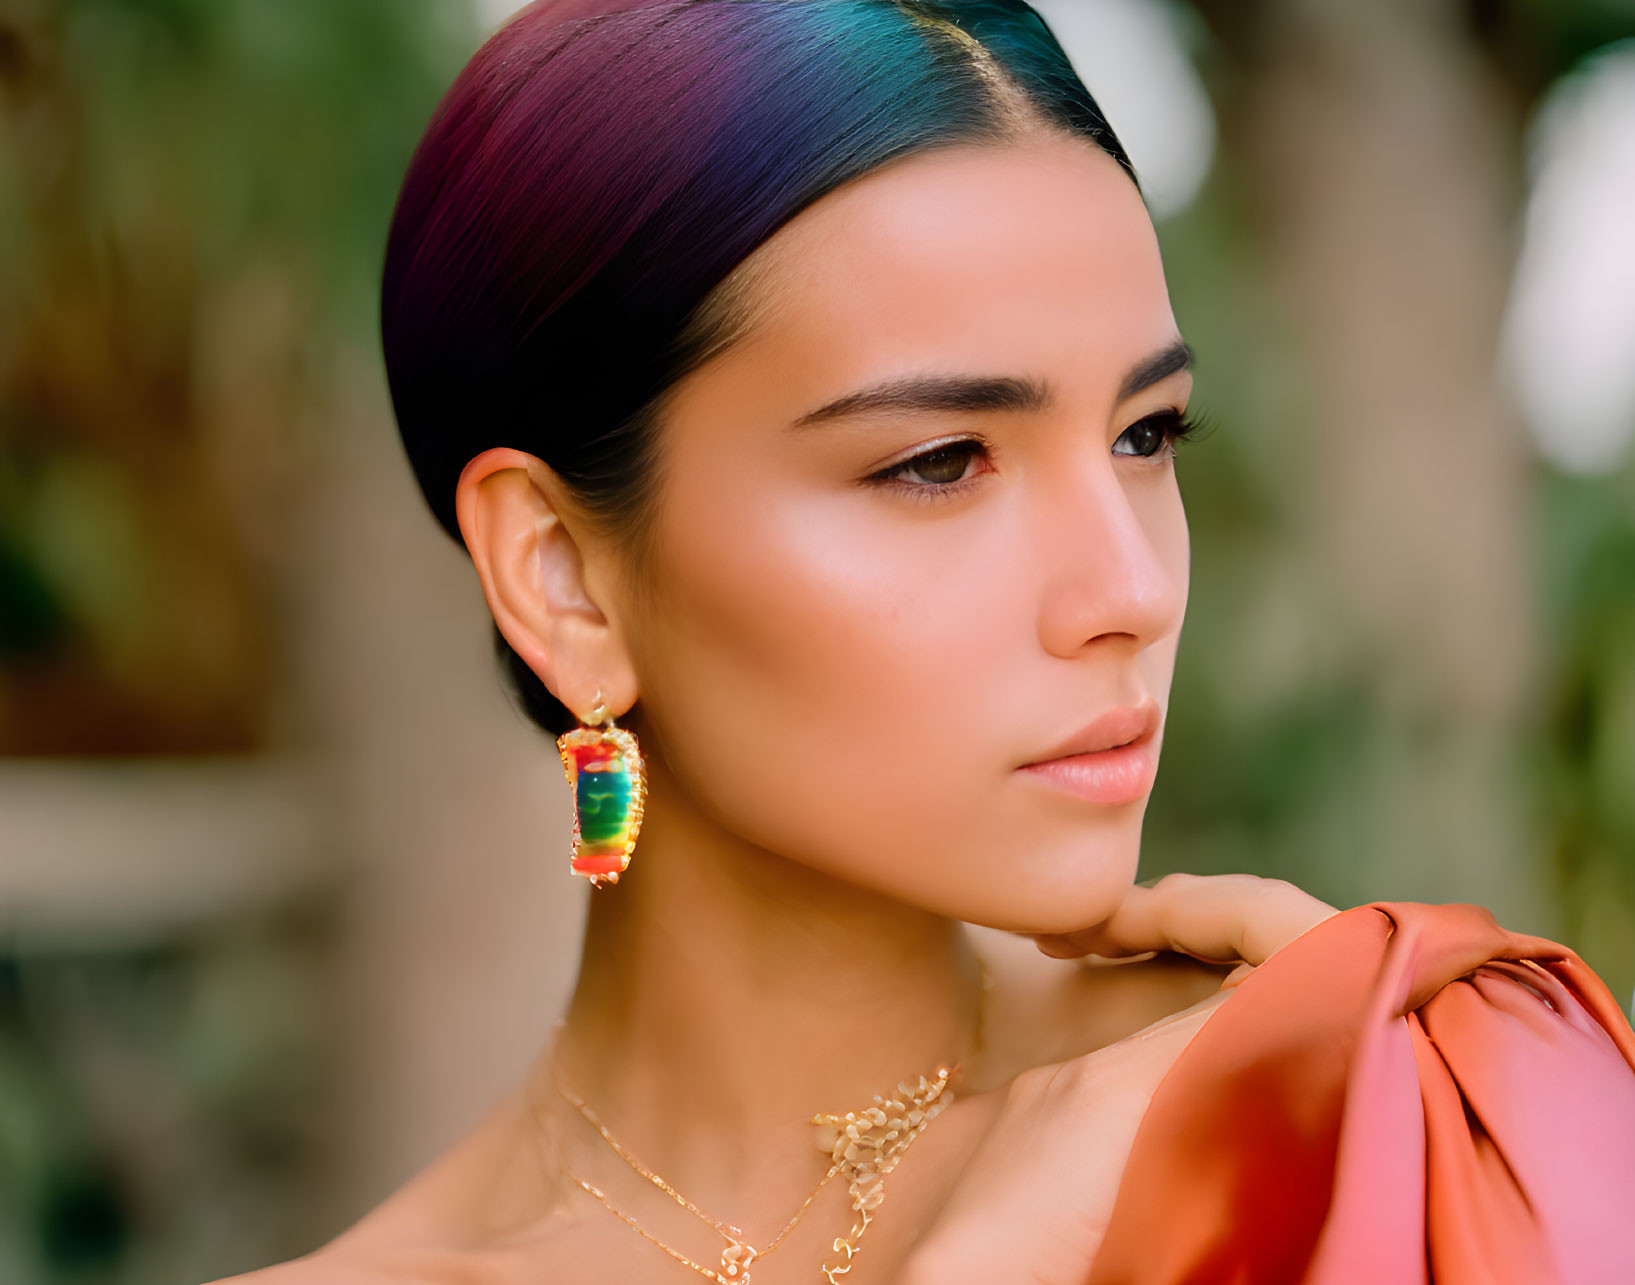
(856, 627)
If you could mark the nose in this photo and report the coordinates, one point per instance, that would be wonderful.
(1115, 557)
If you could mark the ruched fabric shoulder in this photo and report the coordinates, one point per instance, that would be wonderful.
(1405, 1093)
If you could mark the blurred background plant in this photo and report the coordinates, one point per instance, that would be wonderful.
(277, 911)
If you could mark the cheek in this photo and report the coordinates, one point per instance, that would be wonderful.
(819, 666)
(849, 680)
(851, 686)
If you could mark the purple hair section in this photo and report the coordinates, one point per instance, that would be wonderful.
(597, 169)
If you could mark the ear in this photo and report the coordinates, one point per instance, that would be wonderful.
(511, 508)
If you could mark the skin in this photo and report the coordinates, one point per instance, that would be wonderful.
(838, 682)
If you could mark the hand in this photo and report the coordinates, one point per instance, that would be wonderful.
(1217, 918)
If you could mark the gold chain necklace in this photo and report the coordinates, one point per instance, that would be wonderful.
(738, 1254)
(866, 1145)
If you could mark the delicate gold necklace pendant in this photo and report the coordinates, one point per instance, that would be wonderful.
(868, 1144)
(865, 1145)
(735, 1261)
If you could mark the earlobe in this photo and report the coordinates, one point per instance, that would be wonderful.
(511, 509)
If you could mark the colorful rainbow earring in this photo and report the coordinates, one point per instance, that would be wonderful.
(609, 783)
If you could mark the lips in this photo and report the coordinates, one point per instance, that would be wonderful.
(1109, 762)
(1115, 727)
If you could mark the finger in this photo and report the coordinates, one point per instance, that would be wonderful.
(1221, 918)
(1236, 976)
(1216, 918)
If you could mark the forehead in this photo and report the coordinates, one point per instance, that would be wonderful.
(1023, 257)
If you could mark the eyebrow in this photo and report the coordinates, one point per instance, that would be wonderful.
(1168, 361)
(922, 393)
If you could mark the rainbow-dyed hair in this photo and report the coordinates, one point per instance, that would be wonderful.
(562, 244)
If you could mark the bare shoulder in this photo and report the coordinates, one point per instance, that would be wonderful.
(1040, 1186)
(1045, 1011)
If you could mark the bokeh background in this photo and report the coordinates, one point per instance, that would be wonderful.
(283, 896)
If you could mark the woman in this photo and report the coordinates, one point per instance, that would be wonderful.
(802, 380)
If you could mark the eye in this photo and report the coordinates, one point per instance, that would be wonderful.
(945, 465)
(1157, 436)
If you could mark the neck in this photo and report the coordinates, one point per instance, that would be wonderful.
(726, 994)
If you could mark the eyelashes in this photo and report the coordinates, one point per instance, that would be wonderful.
(946, 468)
(1171, 427)
(945, 464)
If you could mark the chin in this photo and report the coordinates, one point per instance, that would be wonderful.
(1065, 884)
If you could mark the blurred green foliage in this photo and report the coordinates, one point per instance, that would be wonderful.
(1276, 757)
(1586, 766)
(192, 198)
(1268, 767)
(161, 1105)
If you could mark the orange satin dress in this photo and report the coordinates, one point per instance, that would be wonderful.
(1406, 1093)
